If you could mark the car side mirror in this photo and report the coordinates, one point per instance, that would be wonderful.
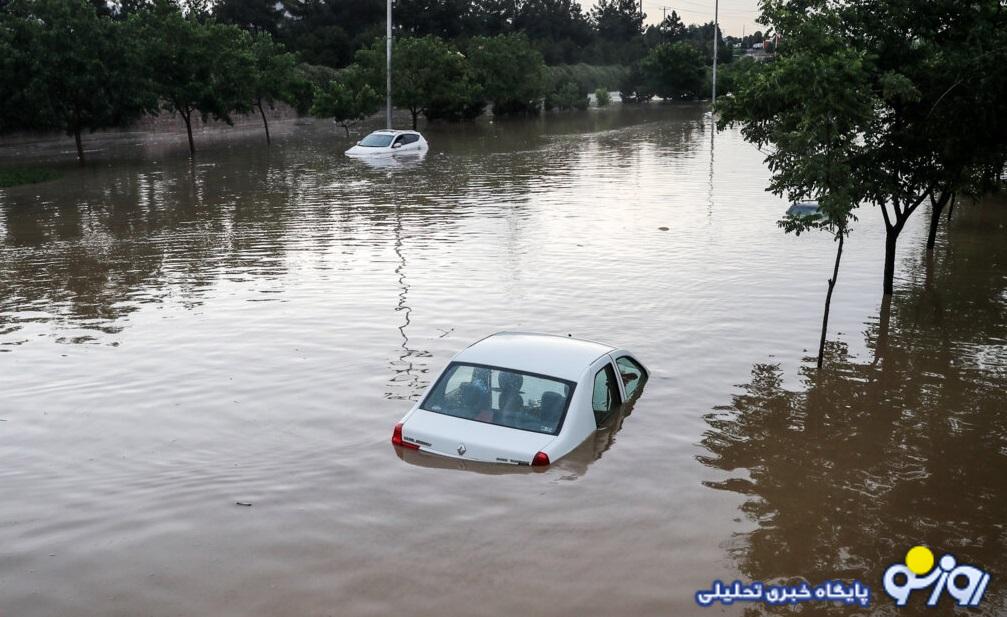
(396, 145)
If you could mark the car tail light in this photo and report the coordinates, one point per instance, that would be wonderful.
(541, 460)
(397, 438)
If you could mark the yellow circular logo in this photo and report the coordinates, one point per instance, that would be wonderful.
(920, 560)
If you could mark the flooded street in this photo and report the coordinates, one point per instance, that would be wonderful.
(177, 337)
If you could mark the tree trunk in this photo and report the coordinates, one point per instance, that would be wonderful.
(187, 116)
(80, 145)
(828, 299)
(265, 123)
(416, 114)
(346, 128)
(936, 208)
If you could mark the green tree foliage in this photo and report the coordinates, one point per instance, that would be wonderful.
(64, 67)
(586, 76)
(602, 97)
(254, 15)
(429, 76)
(701, 37)
(446, 19)
(674, 71)
(855, 111)
(566, 95)
(310, 78)
(731, 76)
(619, 27)
(635, 87)
(511, 72)
(205, 68)
(670, 30)
(557, 28)
(330, 31)
(347, 99)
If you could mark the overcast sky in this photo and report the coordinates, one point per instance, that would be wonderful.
(734, 14)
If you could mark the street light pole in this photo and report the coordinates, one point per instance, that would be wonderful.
(716, 30)
(388, 66)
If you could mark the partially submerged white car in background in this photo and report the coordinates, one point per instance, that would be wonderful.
(521, 399)
(387, 142)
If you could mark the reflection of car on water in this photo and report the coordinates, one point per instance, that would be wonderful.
(521, 399)
(406, 160)
(389, 142)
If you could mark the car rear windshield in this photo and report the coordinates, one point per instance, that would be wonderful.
(376, 140)
(501, 396)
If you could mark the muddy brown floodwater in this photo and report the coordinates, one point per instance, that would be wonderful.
(176, 338)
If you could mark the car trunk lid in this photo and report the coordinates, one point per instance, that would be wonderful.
(472, 440)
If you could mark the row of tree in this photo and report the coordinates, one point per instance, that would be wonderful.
(435, 79)
(881, 102)
(329, 32)
(64, 66)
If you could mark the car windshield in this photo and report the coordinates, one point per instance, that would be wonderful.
(501, 396)
(376, 140)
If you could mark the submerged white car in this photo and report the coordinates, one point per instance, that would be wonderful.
(521, 399)
(387, 142)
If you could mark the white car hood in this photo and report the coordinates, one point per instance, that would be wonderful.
(472, 440)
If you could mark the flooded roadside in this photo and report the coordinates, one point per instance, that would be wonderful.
(177, 337)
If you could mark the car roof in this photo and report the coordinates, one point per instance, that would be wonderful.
(545, 354)
(394, 132)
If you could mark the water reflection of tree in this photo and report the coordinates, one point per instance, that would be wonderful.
(100, 243)
(868, 458)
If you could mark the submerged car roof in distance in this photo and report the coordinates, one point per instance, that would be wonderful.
(395, 132)
(545, 354)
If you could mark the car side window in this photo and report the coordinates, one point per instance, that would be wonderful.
(605, 399)
(408, 139)
(632, 375)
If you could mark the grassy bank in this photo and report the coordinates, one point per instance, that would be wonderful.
(25, 175)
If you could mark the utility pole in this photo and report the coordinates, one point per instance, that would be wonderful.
(388, 66)
(716, 31)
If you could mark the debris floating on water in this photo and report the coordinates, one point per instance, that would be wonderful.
(243, 503)
(663, 228)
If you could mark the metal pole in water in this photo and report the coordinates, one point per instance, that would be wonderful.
(716, 30)
(388, 67)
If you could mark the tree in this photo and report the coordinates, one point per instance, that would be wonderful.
(701, 37)
(731, 76)
(855, 110)
(619, 26)
(447, 19)
(510, 71)
(328, 31)
(275, 77)
(567, 95)
(670, 30)
(67, 68)
(347, 99)
(557, 28)
(254, 15)
(634, 87)
(205, 68)
(674, 71)
(427, 73)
